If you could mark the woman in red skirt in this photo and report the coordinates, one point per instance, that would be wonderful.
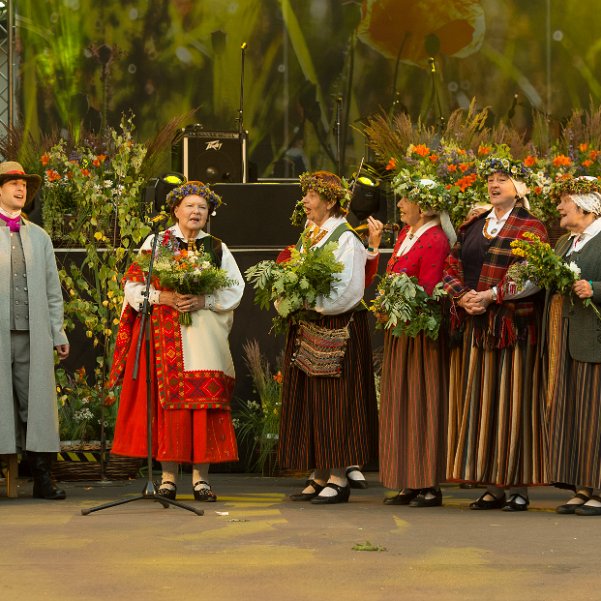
(193, 371)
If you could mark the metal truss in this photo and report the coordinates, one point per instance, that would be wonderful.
(6, 65)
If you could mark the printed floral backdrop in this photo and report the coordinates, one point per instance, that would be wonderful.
(309, 65)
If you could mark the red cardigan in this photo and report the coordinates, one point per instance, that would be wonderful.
(426, 258)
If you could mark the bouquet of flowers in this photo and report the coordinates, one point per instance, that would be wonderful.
(295, 284)
(543, 267)
(184, 271)
(406, 307)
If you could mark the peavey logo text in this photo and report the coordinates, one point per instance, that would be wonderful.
(214, 145)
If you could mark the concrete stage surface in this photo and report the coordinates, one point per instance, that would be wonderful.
(254, 544)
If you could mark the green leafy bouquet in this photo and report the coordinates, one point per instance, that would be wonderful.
(405, 308)
(543, 267)
(295, 284)
(183, 271)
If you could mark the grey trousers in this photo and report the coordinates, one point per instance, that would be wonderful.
(19, 348)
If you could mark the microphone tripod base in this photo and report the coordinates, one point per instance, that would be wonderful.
(149, 494)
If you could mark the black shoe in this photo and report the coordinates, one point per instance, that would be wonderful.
(513, 505)
(422, 501)
(204, 494)
(342, 495)
(167, 491)
(353, 483)
(403, 498)
(480, 503)
(589, 509)
(570, 508)
(44, 486)
(307, 496)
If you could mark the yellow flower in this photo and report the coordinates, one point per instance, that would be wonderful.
(99, 235)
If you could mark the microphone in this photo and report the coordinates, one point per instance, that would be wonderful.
(243, 46)
(432, 64)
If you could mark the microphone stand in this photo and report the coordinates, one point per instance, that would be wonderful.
(150, 492)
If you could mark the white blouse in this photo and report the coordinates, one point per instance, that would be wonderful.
(347, 292)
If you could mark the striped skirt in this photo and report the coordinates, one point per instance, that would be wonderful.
(496, 432)
(330, 422)
(413, 410)
(574, 416)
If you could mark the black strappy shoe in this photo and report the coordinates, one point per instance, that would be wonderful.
(204, 494)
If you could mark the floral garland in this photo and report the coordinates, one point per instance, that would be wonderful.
(568, 184)
(194, 188)
(340, 194)
(428, 194)
(493, 164)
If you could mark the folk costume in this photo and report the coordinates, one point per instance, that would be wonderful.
(414, 382)
(327, 421)
(496, 427)
(193, 379)
(574, 355)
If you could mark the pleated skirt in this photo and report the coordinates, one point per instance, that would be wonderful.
(180, 435)
(330, 422)
(413, 411)
(574, 414)
(496, 429)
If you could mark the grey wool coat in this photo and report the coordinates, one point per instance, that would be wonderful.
(46, 331)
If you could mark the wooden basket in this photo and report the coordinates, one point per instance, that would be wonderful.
(82, 462)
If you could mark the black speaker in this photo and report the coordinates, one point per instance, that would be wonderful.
(211, 156)
(256, 215)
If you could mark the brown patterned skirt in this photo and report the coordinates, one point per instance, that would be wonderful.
(330, 422)
(413, 409)
(496, 432)
(574, 417)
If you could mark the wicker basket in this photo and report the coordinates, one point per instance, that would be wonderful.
(82, 462)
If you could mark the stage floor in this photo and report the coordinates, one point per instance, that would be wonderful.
(255, 544)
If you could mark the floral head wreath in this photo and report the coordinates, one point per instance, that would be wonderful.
(428, 194)
(331, 191)
(193, 188)
(515, 169)
(568, 184)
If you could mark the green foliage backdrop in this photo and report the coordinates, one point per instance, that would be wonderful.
(83, 63)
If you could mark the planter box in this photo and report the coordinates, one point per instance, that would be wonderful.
(82, 461)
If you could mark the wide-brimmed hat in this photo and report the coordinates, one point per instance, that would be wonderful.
(13, 170)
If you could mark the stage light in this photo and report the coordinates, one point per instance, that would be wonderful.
(365, 200)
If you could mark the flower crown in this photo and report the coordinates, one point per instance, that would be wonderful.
(568, 184)
(514, 169)
(428, 194)
(339, 193)
(193, 188)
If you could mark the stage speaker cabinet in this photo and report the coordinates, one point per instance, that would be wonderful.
(212, 156)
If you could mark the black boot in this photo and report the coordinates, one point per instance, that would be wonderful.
(43, 484)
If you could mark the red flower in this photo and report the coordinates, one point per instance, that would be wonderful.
(483, 150)
(561, 160)
(52, 175)
(530, 161)
(451, 168)
(391, 164)
(593, 154)
(463, 167)
(44, 159)
(587, 163)
(279, 378)
(85, 172)
(434, 157)
(583, 147)
(98, 160)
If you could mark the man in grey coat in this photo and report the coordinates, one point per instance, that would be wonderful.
(31, 328)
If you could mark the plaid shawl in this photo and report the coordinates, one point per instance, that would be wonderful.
(504, 323)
